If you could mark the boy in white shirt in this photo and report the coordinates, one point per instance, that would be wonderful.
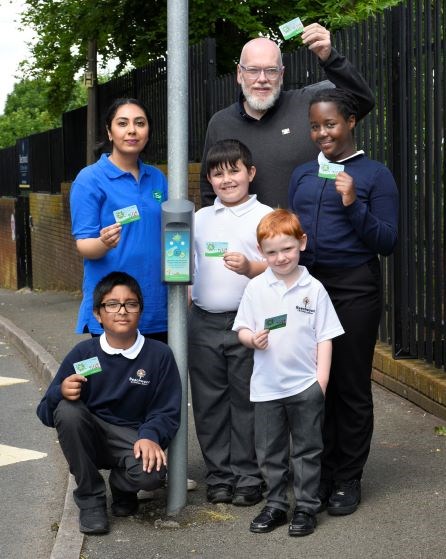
(287, 317)
(220, 367)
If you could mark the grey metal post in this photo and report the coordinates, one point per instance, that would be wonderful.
(177, 153)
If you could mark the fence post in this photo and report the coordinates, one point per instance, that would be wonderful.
(398, 118)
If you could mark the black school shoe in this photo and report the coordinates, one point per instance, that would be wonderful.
(247, 496)
(302, 523)
(268, 519)
(345, 497)
(124, 503)
(94, 520)
(220, 493)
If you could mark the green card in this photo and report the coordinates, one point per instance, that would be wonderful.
(329, 170)
(126, 215)
(275, 322)
(87, 367)
(291, 28)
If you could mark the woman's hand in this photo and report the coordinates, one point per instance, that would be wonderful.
(345, 185)
(111, 235)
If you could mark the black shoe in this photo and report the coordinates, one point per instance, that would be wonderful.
(268, 519)
(324, 492)
(345, 497)
(124, 503)
(220, 493)
(247, 496)
(93, 521)
(302, 524)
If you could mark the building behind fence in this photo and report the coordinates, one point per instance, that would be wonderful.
(401, 53)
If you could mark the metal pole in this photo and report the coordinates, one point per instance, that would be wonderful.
(177, 153)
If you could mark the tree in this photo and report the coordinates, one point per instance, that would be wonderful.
(26, 110)
(135, 32)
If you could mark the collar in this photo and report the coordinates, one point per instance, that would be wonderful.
(246, 116)
(113, 172)
(239, 210)
(303, 279)
(322, 159)
(131, 353)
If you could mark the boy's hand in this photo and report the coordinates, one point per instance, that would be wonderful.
(260, 339)
(71, 387)
(318, 40)
(345, 185)
(111, 235)
(151, 454)
(236, 262)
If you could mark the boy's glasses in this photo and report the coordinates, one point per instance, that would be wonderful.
(115, 306)
(253, 73)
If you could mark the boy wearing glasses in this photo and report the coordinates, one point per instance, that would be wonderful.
(115, 403)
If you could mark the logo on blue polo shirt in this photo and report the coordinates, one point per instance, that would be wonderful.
(157, 195)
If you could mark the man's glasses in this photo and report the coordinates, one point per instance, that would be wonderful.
(253, 73)
(115, 306)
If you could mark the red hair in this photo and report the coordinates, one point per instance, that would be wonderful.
(279, 222)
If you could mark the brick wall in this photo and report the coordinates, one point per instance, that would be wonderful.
(56, 263)
(8, 252)
(194, 182)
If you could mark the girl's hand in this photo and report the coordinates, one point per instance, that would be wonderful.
(345, 185)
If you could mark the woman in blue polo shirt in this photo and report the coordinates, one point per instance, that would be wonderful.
(348, 207)
(120, 180)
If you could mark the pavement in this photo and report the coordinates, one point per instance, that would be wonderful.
(403, 491)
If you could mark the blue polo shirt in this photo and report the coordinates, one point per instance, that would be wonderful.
(97, 191)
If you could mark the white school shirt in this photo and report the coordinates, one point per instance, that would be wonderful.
(288, 365)
(217, 289)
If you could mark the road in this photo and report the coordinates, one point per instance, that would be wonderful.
(33, 471)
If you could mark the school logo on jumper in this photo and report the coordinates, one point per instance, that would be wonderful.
(140, 378)
(306, 306)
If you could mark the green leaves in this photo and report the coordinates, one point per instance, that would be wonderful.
(135, 32)
(440, 430)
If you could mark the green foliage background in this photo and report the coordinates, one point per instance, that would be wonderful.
(134, 33)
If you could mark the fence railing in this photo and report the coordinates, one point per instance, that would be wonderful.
(401, 53)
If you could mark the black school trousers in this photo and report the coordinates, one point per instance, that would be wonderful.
(357, 297)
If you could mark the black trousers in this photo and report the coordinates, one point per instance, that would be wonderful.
(90, 444)
(220, 370)
(348, 427)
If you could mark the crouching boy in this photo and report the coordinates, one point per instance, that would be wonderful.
(115, 402)
(287, 317)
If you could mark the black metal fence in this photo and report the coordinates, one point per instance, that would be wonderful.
(402, 55)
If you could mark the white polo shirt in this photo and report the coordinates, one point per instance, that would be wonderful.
(219, 228)
(288, 365)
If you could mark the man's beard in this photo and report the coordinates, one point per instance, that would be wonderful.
(261, 104)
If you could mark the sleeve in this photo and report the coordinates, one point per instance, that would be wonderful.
(376, 220)
(345, 76)
(53, 396)
(245, 317)
(163, 419)
(85, 206)
(206, 191)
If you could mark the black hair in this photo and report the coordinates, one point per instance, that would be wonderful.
(226, 153)
(111, 280)
(345, 102)
(105, 145)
